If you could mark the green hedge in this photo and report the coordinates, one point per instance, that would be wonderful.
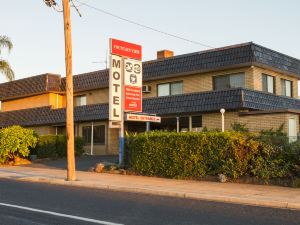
(195, 155)
(55, 146)
(15, 141)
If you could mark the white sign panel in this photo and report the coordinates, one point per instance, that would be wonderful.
(143, 118)
(115, 88)
(132, 73)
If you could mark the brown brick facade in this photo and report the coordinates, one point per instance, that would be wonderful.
(255, 123)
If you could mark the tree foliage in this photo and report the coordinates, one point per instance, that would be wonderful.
(5, 68)
(16, 141)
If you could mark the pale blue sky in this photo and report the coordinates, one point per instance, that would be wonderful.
(37, 31)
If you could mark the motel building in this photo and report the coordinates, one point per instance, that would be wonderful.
(255, 85)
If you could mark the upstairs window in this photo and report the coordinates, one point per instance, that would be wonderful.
(80, 100)
(268, 83)
(229, 81)
(166, 89)
(286, 88)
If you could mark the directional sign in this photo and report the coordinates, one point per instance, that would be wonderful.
(143, 118)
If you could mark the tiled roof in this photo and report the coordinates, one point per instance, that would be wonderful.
(195, 102)
(88, 81)
(28, 86)
(221, 58)
(215, 59)
(203, 102)
(264, 101)
(47, 116)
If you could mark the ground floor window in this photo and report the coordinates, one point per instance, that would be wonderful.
(196, 122)
(98, 134)
(186, 123)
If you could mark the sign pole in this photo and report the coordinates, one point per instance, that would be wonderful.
(121, 134)
(121, 144)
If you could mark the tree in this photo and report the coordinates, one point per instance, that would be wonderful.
(5, 68)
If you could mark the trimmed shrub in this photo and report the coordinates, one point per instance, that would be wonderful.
(46, 147)
(16, 141)
(239, 127)
(55, 146)
(194, 155)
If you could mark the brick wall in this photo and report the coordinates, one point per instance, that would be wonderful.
(113, 142)
(49, 99)
(255, 123)
(257, 80)
(43, 130)
(97, 96)
(199, 82)
(24, 103)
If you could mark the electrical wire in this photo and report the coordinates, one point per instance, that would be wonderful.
(142, 25)
(73, 5)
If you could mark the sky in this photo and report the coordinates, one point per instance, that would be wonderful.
(37, 31)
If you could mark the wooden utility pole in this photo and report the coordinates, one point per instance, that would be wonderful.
(71, 176)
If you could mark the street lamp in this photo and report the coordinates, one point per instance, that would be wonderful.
(222, 111)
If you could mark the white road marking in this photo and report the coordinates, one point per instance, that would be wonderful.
(59, 214)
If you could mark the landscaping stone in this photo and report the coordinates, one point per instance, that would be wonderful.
(91, 169)
(222, 178)
(99, 168)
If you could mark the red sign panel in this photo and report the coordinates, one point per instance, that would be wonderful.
(133, 99)
(125, 49)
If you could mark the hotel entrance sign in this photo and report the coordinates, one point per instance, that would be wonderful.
(143, 118)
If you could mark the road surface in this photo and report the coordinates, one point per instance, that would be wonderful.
(23, 203)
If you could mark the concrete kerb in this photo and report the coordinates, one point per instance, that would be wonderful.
(186, 195)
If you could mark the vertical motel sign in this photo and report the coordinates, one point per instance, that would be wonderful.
(125, 79)
(125, 85)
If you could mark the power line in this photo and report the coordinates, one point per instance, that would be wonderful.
(142, 25)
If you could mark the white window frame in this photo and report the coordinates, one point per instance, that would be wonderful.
(81, 99)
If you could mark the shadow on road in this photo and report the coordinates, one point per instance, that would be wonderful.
(83, 163)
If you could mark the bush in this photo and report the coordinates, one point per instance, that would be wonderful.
(194, 155)
(15, 141)
(55, 146)
(239, 127)
(46, 147)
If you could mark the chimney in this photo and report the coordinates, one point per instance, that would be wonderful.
(163, 54)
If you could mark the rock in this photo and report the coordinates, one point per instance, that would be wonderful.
(91, 169)
(122, 171)
(19, 161)
(222, 178)
(99, 168)
(112, 168)
(33, 157)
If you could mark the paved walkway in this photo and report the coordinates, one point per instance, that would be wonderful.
(262, 195)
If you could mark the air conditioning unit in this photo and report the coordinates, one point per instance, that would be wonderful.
(146, 88)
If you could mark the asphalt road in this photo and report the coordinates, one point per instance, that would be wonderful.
(23, 203)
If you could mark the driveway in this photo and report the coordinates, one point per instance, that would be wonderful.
(83, 163)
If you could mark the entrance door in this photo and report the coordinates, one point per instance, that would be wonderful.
(292, 130)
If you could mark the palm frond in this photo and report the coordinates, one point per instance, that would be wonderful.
(6, 70)
(5, 42)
